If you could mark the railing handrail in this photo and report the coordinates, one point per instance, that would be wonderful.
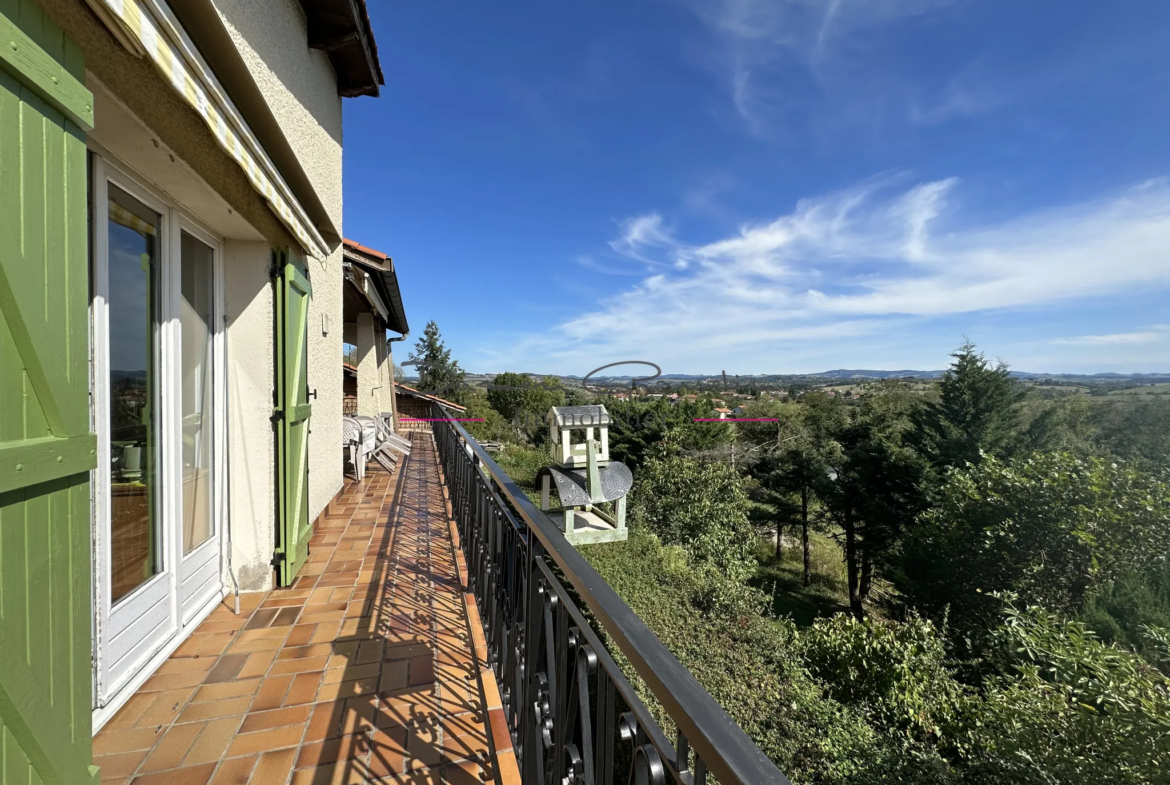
(729, 753)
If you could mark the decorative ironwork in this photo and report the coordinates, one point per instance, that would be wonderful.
(573, 716)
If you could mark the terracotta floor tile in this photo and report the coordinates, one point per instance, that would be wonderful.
(257, 664)
(226, 669)
(235, 771)
(325, 722)
(124, 741)
(122, 764)
(301, 634)
(304, 689)
(189, 775)
(172, 747)
(262, 741)
(212, 742)
(271, 693)
(298, 665)
(230, 689)
(165, 707)
(214, 709)
(388, 694)
(388, 752)
(263, 720)
(274, 766)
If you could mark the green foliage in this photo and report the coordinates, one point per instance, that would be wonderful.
(642, 431)
(519, 398)
(1137, 431)
(1069, 709)
(1123, 610)
(698, 506)
(895, 673)
(1048, 527)
(755, 670)
(438, 374)
(977, 412)
(494, 427)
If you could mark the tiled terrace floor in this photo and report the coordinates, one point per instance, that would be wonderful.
(364, 671)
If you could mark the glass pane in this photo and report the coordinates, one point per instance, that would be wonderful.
(196, 330)
(133, 244)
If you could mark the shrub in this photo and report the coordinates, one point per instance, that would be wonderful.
(700, 507)
(1049, 527)
(894, 672)
(1070, 709)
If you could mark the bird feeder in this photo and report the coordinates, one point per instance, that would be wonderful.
(583, 476)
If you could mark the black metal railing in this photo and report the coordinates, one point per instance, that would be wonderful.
(573, 716)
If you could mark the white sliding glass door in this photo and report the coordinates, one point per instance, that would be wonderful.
(156, 376)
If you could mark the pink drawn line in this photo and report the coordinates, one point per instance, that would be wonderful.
(440, 419)
(734, 419)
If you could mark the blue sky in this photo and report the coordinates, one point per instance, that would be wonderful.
(773, 186)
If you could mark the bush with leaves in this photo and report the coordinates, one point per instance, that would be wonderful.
(1049, 527)
(753, 667)
(1069, 709)
(700, 507)
(894, 672)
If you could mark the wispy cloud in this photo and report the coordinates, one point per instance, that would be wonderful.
(1157, 333)
(882, 256)
(756, 39)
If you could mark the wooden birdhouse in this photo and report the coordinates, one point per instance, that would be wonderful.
(585, 480)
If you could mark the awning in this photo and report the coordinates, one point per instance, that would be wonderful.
(162, 40)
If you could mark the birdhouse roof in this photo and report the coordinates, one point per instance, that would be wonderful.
(578, 416)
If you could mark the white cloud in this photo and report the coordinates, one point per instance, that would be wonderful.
(1155, 334)
(859, 264)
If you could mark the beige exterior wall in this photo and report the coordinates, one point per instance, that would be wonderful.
(300, 87)
(248, 306)
(369, 367)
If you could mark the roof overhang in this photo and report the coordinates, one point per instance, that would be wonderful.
(380, 269)
(341, 29)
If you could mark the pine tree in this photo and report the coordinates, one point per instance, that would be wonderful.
(438, 374)
(977, 412)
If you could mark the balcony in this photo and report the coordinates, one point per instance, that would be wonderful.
(437, 634)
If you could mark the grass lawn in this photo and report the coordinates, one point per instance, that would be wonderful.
(783, 580)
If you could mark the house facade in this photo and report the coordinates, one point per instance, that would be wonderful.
(172, 292)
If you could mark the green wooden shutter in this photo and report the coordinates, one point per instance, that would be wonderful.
(46, 448)
(292, 415)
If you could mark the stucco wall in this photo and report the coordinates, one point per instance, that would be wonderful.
(325, 376)
(300, 87)
(298, 83)
(248, 304)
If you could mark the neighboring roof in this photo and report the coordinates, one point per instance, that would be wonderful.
(380, 267)
(413, 393)
(723, 411)
(341, 28)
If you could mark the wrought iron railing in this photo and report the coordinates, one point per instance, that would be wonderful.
(573, 716)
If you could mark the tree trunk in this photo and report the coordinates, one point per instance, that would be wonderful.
(851, 568)
(866, 576)
(804, 536)
(779, 542)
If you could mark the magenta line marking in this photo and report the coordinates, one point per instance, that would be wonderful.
(440, 419)
(733, 419)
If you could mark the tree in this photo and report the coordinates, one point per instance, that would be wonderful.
(519, 397)
(438, 374)
(1047, 527)
(873, 487)
(796, 467)
(977, 412)
(698, 506)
